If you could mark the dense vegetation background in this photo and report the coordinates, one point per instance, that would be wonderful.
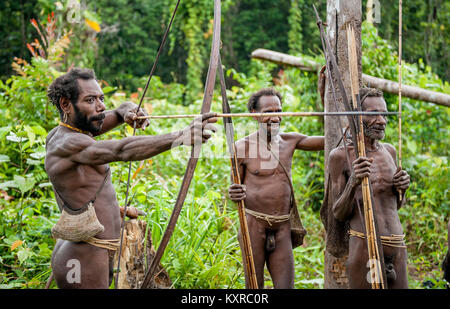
(119, 39)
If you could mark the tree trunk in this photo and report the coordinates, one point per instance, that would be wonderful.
(339, 15)
(137, 256)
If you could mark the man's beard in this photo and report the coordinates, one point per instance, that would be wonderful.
(84, 123)
(270, 129)
(374, 131)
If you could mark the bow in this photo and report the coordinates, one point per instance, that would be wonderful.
(192, 163)
(134, 132)
(229, 131)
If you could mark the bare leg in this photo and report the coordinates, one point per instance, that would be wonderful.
(80, 266)
(281, 261)
(258, 241)
(358, 267)
(358, 270)
(399, 261)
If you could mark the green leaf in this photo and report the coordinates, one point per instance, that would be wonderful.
(44, 250)
(33, 162)
(8, 184)
(24, 184)
(38, 155)
(38, 130)
(31, 135)
(14, 138)
(4, 158)
(4, 131)
(108, 89)
(11, 285)
(45, 184)
(23, 254)
(412, 146)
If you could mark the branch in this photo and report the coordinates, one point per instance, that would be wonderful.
(306, 64)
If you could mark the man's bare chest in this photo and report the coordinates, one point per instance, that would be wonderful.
(269, 164)
(382, 171)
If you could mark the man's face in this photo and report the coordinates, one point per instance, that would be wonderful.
(269, 104)
(374, 126)
(89, 109)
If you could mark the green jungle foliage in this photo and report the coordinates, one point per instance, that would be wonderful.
(131, 30)
(203, 251)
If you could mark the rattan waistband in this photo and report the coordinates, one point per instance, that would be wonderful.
(110, 244)
(397, 241)
(271, 219)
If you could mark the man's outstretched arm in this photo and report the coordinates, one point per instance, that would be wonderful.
(84, 150)
(311, 143)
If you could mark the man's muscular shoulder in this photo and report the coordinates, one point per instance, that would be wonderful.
(245, 141)
(338, 158)
(241, 142)
(50, 135)
(337, 153)
(61, 146)
(391, 149)
(292, 137)
(65, 144)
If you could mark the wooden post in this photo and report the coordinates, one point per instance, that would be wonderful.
(339, 14)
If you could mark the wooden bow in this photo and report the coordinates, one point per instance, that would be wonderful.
(247, 252)
(192, 163)
(116, 281)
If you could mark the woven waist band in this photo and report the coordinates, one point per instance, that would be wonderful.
(396, 241)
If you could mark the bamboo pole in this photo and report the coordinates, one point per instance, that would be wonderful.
(279, 114)
(371, 235)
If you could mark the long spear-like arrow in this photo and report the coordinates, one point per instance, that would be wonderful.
(277, 114)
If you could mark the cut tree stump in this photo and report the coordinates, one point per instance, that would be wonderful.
(136, 257)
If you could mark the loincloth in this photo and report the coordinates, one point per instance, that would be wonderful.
(396, 241)
(110, 244)
(270, 219)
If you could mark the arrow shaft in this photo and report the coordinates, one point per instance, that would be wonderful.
(279, 114)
